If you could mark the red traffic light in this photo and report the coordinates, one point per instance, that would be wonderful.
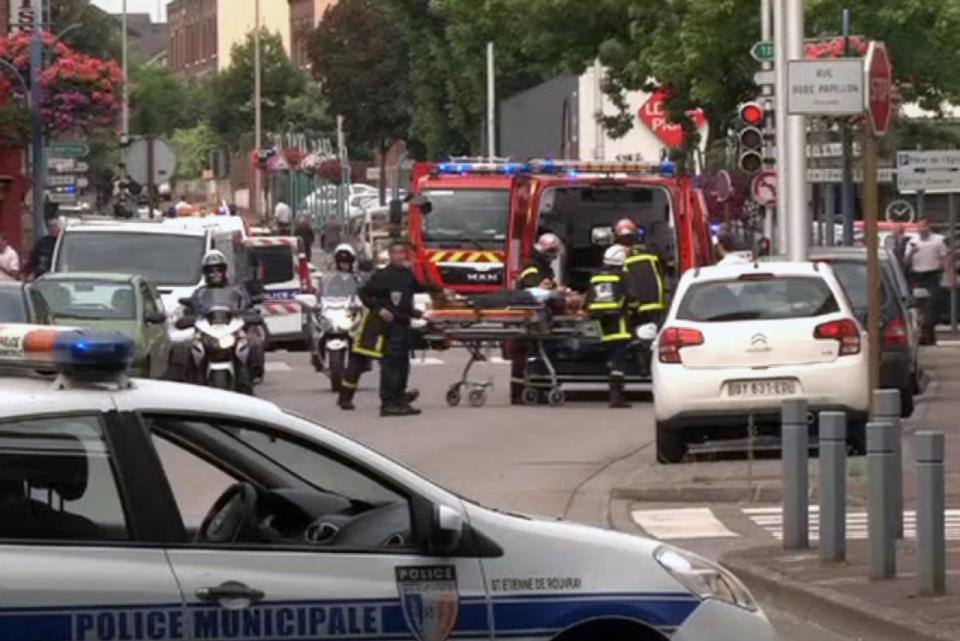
(751, 113)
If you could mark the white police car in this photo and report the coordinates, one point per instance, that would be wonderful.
(146, 510)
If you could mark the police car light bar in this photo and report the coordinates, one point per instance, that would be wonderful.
(665, 169)
(82, 353)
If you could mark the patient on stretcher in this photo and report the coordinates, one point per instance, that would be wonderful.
(559, 301)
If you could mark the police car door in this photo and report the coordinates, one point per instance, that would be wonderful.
(76, 558)
(291, 541)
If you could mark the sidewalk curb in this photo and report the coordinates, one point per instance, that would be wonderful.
(700, 494)
(793, 596)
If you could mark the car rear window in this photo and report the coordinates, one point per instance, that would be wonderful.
(757, 299)
(853, 276)
(276, 263)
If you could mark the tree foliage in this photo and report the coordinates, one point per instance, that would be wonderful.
(231, 110)
(98, 34)
(158, 102)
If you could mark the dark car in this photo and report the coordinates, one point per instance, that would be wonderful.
(19, 303)
(899, 367)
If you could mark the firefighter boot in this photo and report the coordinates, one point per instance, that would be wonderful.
(345, 400)
(617, 396)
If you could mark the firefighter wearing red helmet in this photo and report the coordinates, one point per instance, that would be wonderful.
(625, 233)
(538, 271)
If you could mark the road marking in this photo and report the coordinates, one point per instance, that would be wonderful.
(277, 366)
(682, 523)
(427, 361)
(770, 519)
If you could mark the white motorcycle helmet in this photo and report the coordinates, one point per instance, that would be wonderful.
(344, 253)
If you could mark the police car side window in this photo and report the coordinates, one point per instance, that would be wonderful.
(195, 483)
(57, 482)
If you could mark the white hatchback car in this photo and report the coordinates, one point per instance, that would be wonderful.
(741, 338)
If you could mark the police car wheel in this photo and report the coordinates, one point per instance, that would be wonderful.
(671, 445)
(453, 396)
(478, 398)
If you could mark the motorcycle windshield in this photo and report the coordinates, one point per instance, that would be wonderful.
(224, 297)
(220, 316)
(339, 286)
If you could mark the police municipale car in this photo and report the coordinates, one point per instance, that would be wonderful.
(145, 510)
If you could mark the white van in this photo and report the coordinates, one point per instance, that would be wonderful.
(285, 274)
(168, 256)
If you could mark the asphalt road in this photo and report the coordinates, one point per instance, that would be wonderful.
(543, 460)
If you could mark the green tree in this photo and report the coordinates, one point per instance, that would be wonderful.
(308, 113)
(193, 146)
(231, 105)
(359, 56)
(98, 34)
(157, 102)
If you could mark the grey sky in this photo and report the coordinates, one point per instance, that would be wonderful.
(155, 7)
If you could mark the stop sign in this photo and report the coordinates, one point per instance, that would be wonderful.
(879, 88)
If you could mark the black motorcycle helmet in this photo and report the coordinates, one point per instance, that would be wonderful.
(214, 268)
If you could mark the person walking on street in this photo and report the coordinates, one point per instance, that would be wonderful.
(385, 334)
(41, 260)
(9, 260)
(926, 258)
(607, 306)
(284, 217)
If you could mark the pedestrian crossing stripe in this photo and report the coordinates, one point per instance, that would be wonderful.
(276, 366)
(682, 523)
(770, 519)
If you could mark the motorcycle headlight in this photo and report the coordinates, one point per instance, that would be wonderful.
(704, 578)
(226, 342)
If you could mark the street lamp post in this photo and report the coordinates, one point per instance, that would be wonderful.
(257, 113)
(39, 155)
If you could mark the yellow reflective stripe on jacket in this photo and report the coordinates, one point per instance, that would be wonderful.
(358, 348)
(622, 332)
(602, 307)
(652, 307)
(606, 278)
(528, 271)
(655, 263)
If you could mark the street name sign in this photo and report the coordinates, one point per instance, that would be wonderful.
(933, 159)
(61, 179)
(825, 87)
(933, 172)
(68, 150)
(829, 150)
(835, 175)
(762, 51)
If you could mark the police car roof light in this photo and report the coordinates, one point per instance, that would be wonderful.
(85, 354)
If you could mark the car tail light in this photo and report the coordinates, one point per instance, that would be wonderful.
(845, 331)
(306, 280)
(895, 333)
(672, 339)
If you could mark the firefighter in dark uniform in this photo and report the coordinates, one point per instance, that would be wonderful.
(608, 307)
(646, 292)
(538, 271)
(385, 334)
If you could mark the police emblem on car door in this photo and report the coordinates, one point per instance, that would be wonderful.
(429, 599)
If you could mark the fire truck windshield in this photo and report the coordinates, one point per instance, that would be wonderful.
(477, 216)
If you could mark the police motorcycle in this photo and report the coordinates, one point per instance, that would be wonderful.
(333, 318)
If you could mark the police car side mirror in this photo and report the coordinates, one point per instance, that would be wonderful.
(447, 529)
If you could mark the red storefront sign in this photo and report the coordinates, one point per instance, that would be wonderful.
(654, 114)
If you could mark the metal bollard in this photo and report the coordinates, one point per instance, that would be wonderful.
(794, 441)
(931, 544)
(883, 554)
(833, 486)
(886, 409)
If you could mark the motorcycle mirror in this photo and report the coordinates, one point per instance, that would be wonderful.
(186, 302)
(307, 301)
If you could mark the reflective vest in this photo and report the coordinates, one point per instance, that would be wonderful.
(644, 282)
(606, 304)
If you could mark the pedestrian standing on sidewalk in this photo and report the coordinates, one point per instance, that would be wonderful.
(385, 334)
(926, 257)
(9, 260)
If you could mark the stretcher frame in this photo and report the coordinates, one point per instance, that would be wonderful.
(475, 329)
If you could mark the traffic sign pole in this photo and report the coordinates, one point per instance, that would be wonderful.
(846, 189)
(870, 213)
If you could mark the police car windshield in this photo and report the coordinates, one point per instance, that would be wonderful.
(12, 308)
(164, 259)
(478, 216)
(88, 299)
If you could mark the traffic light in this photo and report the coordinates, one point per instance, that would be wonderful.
(750, 138)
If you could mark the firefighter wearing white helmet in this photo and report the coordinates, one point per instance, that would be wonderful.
(607, 306)
(538, 271)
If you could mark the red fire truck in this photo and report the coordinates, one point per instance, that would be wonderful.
(458, 220)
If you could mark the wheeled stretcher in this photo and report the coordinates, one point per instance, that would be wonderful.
(478, 329)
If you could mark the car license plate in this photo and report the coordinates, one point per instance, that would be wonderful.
(762, 388)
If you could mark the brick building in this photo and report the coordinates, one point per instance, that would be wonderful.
(193, 37)
(305, 15)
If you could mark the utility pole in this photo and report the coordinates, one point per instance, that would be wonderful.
(39, 150)
(782, 92)
(766, 33)
(491, 104)
(795, 217)
(846, 188)
(257, 112)
(125, 133)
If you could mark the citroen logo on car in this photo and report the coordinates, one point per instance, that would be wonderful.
(758, 343)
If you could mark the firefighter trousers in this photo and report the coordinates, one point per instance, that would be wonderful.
(394, 367)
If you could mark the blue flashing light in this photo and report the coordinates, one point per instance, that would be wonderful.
(573, 173)
(93, 351)
(668, 169)
(715, 228)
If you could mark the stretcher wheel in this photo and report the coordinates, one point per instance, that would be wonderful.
(453, 396)
(530, 396)
(556, 397)
(478, 398)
